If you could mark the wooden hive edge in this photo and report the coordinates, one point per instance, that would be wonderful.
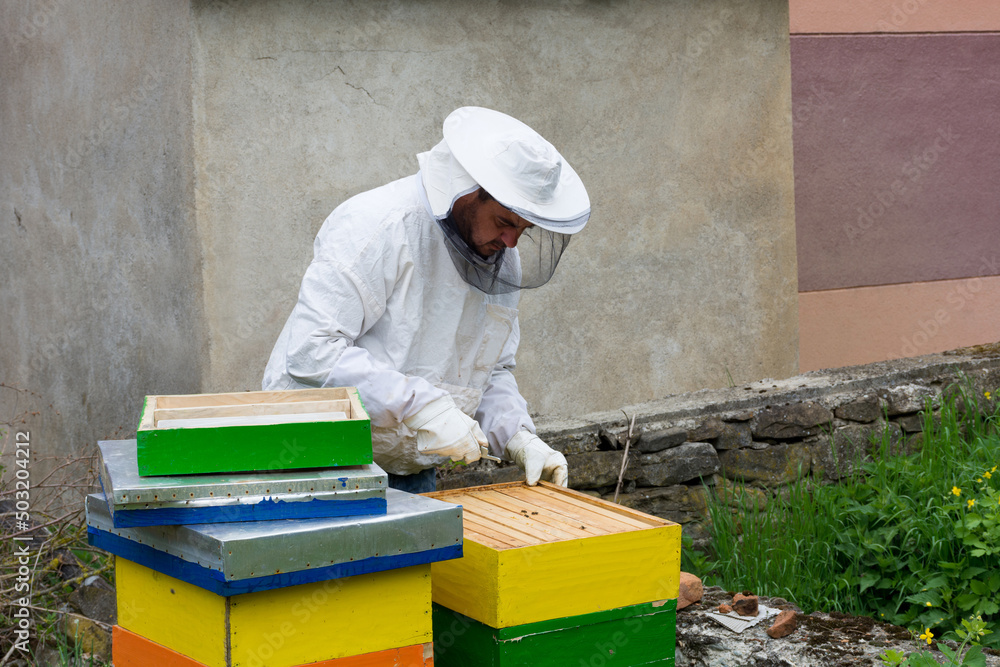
(615, 507)
(506, 529)
(252, 397)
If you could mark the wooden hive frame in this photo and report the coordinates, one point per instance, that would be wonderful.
(251, 404)
(539, 553)
(252, 431)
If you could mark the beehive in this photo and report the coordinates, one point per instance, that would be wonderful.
(234, 497)
(549, 571)
(233, 558)
(627, 636)
(132, 650)
(253, 431)
(346, 591)
(319, 623)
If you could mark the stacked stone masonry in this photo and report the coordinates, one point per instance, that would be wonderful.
(769, 433)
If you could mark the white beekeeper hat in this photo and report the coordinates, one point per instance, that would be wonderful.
(512, 162)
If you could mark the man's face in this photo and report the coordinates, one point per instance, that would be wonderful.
(487, 226)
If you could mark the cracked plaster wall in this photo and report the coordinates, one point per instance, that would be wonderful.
(99, 263)
(676, 114)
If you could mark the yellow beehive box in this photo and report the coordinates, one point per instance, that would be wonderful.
(281, 627)
(544, 552)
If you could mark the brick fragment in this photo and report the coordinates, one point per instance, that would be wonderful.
(784, 625)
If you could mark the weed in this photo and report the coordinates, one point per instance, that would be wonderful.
(58, 560)
(911, 539)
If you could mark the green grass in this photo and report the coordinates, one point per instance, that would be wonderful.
(897, 539)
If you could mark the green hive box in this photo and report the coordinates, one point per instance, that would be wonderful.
(253, 431)
(641, 634)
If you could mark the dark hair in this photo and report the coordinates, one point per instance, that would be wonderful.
(484, 195)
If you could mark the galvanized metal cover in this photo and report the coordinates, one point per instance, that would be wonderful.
(412, 524)
(128, 491)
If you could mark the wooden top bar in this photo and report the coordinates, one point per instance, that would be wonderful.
(512, 515)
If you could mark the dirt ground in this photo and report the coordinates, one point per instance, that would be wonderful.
(821, 639)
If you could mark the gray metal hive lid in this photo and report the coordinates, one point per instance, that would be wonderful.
(128, 491)
(412, 524)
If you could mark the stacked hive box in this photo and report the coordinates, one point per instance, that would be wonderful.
(552, 577)
(277, 566)
(253, 430)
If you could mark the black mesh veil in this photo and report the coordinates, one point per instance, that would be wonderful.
(529, 265)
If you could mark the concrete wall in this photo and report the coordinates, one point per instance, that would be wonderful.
(676, 115)
(896, 172)
(167, 164)
(101, 298)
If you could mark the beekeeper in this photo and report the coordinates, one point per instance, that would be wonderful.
(412, 296)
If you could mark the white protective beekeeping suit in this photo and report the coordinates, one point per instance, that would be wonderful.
(384, 307)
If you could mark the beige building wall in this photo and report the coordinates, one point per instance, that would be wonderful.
(676, 115)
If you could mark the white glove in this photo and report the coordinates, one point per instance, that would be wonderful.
(444, 430)
(537, 459)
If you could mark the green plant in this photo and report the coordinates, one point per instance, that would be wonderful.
(973, 629)
(71, 655)
(695, 561)
(912, 539)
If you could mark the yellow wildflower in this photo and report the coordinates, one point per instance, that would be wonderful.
(979, 480)
(993, 469)
(928, 604)
(987, 474)
(928, 635)
(956, 491)
(987, 395)
(971, 503)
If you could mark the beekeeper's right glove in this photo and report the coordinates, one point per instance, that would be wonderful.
(444, 430)
(537, 460)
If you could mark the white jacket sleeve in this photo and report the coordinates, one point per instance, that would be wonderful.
(344, 292)
(503, 411)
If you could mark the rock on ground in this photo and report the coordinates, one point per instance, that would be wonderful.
(820, 640)
(690, 590)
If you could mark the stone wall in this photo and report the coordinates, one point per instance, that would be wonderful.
(768, 433)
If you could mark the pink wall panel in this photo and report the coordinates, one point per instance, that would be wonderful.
(860, 16)
(866, 324)
(897, 158)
